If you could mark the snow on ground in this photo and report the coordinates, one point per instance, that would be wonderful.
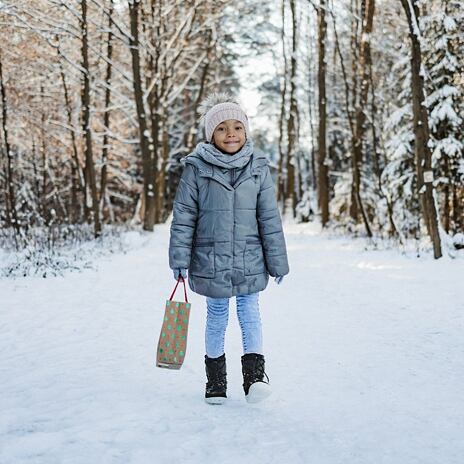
(364, 349)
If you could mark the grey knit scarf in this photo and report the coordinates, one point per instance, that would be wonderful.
(212, 155)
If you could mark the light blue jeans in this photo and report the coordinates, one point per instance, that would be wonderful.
(249, 319)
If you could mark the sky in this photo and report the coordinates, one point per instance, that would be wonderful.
(253, 72)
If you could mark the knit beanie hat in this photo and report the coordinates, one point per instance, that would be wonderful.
(217, 108)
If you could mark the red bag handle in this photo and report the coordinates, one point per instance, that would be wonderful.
(175, 288)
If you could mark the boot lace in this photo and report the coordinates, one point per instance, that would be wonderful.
(216, 372)
(255, 373)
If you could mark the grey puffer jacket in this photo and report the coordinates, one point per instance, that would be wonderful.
(226, 227)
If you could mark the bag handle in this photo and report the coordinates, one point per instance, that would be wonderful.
(175, 288)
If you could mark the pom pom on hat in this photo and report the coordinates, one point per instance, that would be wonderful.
(219, 107)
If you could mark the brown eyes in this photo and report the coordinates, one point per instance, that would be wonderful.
(223, 128)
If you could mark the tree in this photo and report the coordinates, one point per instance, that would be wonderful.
(90, 177)
(360, 114)
(443, 51)
(11, 216)
(148, 174)
(292, 120)
(421, 130)
(322, 168)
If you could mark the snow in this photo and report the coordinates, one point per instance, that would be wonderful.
(450, 146)
(449, 23)
(445, 111)
(364, 350)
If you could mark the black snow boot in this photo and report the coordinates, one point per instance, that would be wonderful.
(216, 387)
(255, 387)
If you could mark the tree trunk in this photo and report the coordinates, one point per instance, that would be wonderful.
(162, 171)
(311, 164)
(163, 147)
(446, 209)
(281, 175)
(88, 149)
(458, 219)
(422, 152)
(322, 168)
(148, 175)
(106, 119)
(44, 211)
(292, 129)
(77, 172)
(11, 216)
(153, 98)
(360, 115)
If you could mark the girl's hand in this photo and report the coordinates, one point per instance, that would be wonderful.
(180, 272)
(279, 279)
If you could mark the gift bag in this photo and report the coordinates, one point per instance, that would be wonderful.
(172, 344)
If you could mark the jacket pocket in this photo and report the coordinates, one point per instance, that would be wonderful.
(253, 258)
(202, 263)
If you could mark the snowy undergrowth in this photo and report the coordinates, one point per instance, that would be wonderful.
(58, 250)
(452, 246)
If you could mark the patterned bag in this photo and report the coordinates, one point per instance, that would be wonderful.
(172, 343)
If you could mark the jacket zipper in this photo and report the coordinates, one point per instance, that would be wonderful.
(233, 230)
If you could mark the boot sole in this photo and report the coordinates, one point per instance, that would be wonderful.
(216, 400)
(258, 391)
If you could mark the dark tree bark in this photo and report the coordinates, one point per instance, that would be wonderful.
(12, 218)
(88, 149)
(106, 118)
(356, 14)
(147, 163)
(322, 168)
(423, 156)
(43, 151)
(154, 97)
(360, 115)
(446, 191)
(292, 122)
(281, 175)
(311, 164)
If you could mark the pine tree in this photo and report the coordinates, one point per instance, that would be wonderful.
(399, 175)
(444, 52)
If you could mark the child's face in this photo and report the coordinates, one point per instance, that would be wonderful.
(229, 136)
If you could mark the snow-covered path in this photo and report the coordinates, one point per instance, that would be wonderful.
(364, 349)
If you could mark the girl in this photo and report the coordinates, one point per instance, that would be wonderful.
(227, 232)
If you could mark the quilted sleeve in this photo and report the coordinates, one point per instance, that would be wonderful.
(185, 214)
(270, 228)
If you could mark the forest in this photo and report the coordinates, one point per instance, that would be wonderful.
(344, 298)
(360, 111)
